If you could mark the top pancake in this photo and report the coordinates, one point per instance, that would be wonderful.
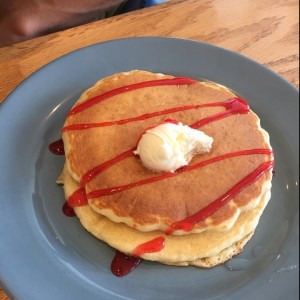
(155, 206)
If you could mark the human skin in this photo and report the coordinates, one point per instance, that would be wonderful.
(24, 19)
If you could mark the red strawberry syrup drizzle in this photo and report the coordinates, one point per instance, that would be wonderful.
(122, 264)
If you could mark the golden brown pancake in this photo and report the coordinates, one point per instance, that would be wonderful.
(205, 249)
(156, 206)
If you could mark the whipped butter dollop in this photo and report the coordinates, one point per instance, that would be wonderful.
(171, 145)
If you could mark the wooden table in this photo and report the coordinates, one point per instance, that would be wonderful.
(264, 30)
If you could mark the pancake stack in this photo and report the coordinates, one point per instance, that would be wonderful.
(201, 215)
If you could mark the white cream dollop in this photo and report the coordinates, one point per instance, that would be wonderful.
(169, 146)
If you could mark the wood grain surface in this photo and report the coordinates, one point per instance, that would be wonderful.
(264, 30)
(3, 296)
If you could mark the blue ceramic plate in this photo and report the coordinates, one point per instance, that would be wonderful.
(45, 255)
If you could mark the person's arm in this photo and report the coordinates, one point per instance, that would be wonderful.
(24, 19)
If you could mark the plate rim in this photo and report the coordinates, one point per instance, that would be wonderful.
(56, 61)
(125, 39)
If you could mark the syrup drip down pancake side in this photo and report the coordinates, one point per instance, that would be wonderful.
(101, 133)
